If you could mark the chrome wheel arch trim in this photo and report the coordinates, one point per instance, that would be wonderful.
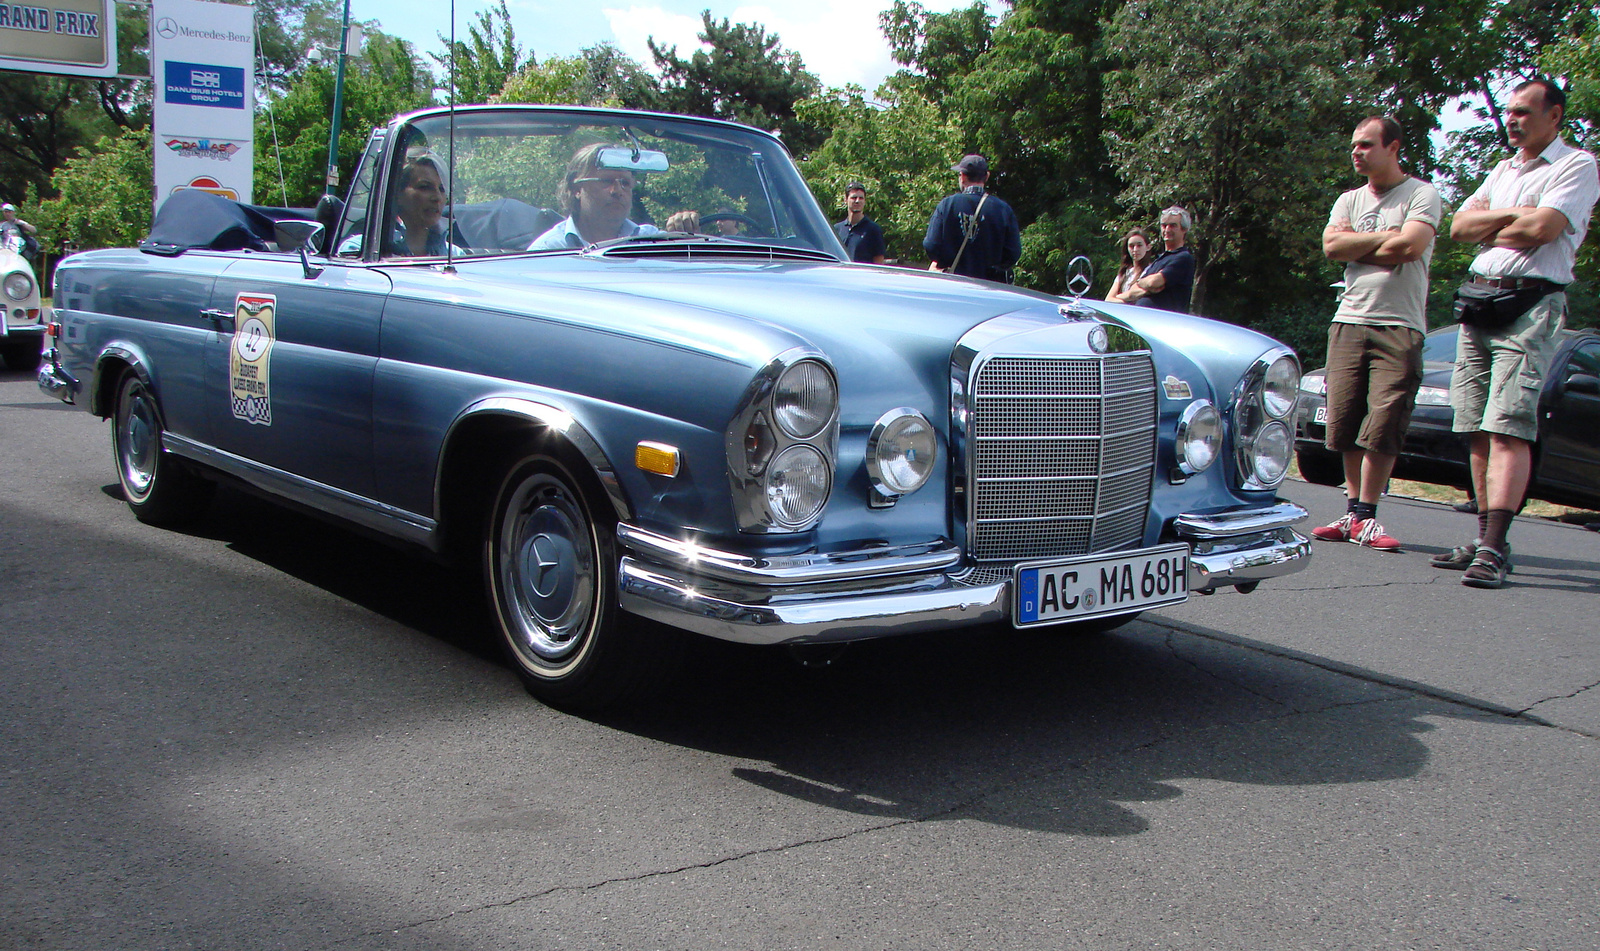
(98, 396)
(553, 419)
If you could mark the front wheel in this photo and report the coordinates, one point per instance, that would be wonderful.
(156, 485)
(550, 569)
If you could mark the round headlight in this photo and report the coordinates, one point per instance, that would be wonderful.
(798, 482)
(1279, 387)
(18, 285)
(804, 399)
(901, 452)
(1199, 437)
(1271, 451)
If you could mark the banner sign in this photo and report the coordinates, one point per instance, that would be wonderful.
(203, 63)
(67, 37)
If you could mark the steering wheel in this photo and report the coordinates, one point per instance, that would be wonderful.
(750, 223)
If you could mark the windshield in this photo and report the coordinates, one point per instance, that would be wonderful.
(1440, 346)
(518, 179)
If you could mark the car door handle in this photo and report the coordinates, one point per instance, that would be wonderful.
(217, 317)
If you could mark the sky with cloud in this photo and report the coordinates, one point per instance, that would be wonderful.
(839, 40)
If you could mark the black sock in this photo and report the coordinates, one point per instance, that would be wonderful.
(1483, 524)
(1350, 506)
(1364, 510)
(1494, 530)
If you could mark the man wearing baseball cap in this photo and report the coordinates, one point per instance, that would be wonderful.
(12, 225)
(973, 233)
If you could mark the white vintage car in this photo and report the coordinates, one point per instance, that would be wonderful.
(22, 331)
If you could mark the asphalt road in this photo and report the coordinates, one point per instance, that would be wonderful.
(267, 733)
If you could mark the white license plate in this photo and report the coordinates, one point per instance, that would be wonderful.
(1072, 589)
(1320, 416)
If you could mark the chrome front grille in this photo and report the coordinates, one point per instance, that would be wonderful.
(1063, 455)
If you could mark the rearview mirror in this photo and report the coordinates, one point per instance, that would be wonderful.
(293, 234)
(634, 160)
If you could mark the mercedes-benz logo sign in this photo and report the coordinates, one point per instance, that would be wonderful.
(167, 27)
(1080, 276)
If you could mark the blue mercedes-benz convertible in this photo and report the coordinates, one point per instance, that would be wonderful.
(618, 361)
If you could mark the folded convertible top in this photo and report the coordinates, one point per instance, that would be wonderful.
(197, 219)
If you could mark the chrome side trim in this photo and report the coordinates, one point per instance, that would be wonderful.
(54, 380)
(555, 419)
(1248, 559)
(754, 616)
(1239, 521)
(407, 526)
(807, 568)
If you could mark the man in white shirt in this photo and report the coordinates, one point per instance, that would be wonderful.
(1384, 232)
(597, 203)
(1528, 218)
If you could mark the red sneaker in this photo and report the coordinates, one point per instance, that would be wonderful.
(1369, 534)
(1340, 531)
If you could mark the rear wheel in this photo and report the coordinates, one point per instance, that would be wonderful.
(550, 568)
(1320, 467)
(157, 485)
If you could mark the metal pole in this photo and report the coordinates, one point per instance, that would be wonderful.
(338, 107)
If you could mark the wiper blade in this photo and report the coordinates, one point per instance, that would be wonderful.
(664, 243)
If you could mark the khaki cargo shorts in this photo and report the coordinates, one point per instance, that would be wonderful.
(1500, 373)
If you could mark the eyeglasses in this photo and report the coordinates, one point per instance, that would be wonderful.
(626, 183)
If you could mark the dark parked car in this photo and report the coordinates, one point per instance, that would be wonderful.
(1566, 460)
(740, 435)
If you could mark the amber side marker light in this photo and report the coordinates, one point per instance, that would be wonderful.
(657, 457)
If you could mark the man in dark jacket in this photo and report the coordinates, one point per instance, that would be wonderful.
(973, 233)
(859, 234)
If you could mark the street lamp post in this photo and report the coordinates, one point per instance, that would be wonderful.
(332, 181)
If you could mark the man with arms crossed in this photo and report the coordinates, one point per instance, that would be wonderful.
(1168, 282)
(1384, 233)
(1528, 218)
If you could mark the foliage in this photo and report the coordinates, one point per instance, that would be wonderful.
(385, 79)
(48, 118)
(1251, 106)
(744, 75)
(105, 195)
(598, 76)
(486, 59)
(901, 151)
(941, 47)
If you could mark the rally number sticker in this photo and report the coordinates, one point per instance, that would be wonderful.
(250, 358)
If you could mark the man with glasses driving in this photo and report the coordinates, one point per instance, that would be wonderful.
(597, 201)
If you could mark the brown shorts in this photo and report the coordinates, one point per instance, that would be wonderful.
(1373, 375)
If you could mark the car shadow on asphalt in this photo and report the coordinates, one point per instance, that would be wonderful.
(1044, 730)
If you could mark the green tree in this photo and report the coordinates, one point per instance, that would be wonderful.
(104, 191)
(900, 151)
(486, 59)
(939, 48)
(384, 80)
(1243, 107)
(744, 75)
(598, 76)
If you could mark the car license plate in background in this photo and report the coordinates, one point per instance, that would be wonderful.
(1055, 591)
(1321, 415)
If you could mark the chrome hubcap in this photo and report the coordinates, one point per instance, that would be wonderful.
(138, 440)
(547, 570)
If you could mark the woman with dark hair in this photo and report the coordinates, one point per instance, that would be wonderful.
(597, 201)
(1135, 258)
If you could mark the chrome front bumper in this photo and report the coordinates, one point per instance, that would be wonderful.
(879, 592)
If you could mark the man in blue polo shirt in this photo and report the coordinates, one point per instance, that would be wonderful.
(1169, 281)
(859, 234)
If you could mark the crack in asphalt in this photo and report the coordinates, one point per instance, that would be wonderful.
(1569, 696)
